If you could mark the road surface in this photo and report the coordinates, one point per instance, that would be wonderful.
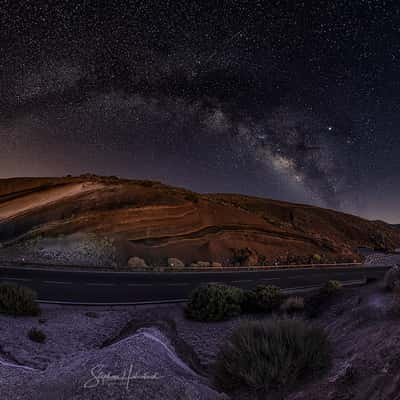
(137, 287)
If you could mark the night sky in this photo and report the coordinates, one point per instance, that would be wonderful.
(293, 100)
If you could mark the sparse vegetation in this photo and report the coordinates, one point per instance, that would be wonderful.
(316, 259)
(192, 196)
(322, 299)
(36, 335)
(18, 300)
(392, 278)
(214, 303)
(265, 298)
(292, 305)
(271, 354)
(146, 183)
(331, 287)
(92, 314)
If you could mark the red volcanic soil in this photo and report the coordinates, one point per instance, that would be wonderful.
(155, 221)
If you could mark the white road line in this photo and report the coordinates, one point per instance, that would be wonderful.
(100, 284)
(270, 279)
(57, 283)
(177, 284)
(15, 279)
(140, 284)
(242, 281)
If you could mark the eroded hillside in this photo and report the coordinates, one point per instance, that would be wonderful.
(155, 221)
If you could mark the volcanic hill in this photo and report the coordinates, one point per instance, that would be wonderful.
(154, 221)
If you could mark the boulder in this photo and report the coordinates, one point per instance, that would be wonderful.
(136, 262)
(175, 263)
(215, 264)
(203, 264)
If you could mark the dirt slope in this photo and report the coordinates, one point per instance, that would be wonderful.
(155, 221)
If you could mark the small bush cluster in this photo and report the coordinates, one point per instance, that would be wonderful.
(271, 354)
(331, 287)
(219, 302)
(36, 335)
(92, 314)
(264, 298)
(18, 300)
(316, 259)
(214, 303)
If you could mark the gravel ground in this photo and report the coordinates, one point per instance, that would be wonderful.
(76, 249)
(140, 338)
(365, 336)
(146, 358)
(382, 259)
(68, 330)
(362, 327)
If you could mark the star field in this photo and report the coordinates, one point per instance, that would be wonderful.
(294, 100)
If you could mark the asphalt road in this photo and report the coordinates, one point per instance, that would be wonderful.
(137, 287)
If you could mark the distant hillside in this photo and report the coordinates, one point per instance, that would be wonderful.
(155, 221)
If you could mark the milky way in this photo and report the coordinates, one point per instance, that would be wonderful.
(288, 100)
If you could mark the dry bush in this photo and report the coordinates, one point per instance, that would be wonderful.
(265, 298)
(271, 354)
(18, 300)
(214, 303)
(36, 335)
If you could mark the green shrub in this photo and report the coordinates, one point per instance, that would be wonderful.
(271, 354)
(36, 335)
(292, 305)
(265, 298)
(316, 259)
(18, 300)
(92, 314)
(214, 303)
(332, 287)
(391, 278)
